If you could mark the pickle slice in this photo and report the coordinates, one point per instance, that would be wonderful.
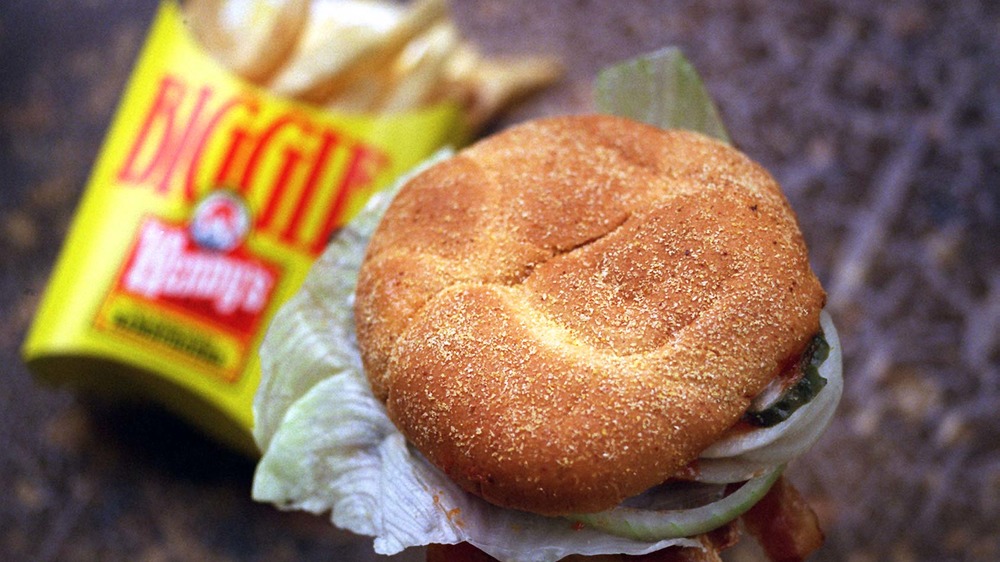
(801, 392)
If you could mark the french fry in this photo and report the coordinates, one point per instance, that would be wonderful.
(491, 84)
(253, 38)
(364, 56)
(335, 53)
(420, 67)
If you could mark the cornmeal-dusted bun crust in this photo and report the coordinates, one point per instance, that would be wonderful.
(565, 314)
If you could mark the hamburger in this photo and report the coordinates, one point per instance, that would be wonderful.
(582, 336)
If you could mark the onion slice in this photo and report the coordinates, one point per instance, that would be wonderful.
(807, 423)
(650, 525)
(748, 455)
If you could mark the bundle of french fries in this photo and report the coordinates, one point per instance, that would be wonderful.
(366, 56)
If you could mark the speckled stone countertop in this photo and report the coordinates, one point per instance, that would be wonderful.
(880, 120)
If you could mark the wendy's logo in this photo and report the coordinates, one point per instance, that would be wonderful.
(220, 222)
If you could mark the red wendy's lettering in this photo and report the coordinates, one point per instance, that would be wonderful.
(193, 139)
(228, 289)
(167, 265)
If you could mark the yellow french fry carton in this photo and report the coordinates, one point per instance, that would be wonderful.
(207, 205)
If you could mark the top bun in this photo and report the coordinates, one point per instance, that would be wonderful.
(567, 313)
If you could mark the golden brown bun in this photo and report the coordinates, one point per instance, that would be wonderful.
(568, 312)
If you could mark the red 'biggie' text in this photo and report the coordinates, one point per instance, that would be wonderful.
(306, 158)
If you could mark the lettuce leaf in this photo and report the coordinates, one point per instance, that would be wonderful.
(661, 89)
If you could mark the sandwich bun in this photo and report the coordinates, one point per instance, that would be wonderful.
(568, 312)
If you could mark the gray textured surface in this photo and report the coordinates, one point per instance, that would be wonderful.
(879, 119)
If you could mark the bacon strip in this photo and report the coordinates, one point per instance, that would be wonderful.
(784, 524)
